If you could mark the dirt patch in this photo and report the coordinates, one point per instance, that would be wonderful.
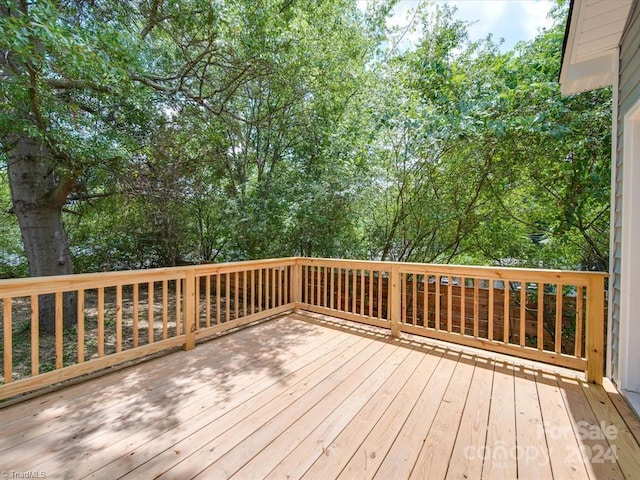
(164, 326)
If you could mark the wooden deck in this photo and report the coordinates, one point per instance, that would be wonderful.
(305, 396)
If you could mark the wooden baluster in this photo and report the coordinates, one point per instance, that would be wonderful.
(540, 323)
(362, 277)
(218, 299)
(558, 324)
(35, 333)
(150, 319)
(207, 299)
(260, 299)
(370, 293)
(165, 308)
(59, 331)
(523, 313)
(339, 292)
(135, 314)
(476, 306)
(505, 313)
(332, 289)
(179, 306)
(437, 305)
(286, 285)
(380, 311)
(414, 300)
(7, 336)
(244, 294)
(227, 297)
(579, 321)
(425, 301)
(118, 318)
(449, 303)
(325, 285)
(197, 320)
(236, 296)
(491, 300)
(315, 283)
(394, 305)
(101, 321)
(253, 292)
(354, 290)
(463, 306)
(273, 287)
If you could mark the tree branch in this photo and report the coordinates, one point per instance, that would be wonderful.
(62, 84)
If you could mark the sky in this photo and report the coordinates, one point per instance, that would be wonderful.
(512, 20)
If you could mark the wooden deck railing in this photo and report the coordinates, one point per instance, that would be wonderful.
(122, 316)
(552, 316)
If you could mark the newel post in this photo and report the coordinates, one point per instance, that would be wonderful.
(190, 310)
(394, 300)
(296, 285)
(595, 329)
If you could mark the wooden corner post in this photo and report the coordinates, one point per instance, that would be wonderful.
(296, 285)
(190, 310)
(395, 307)
(595, 329)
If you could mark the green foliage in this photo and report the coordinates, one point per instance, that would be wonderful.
(200, 131)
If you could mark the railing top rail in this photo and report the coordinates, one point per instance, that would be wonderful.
(21, 287)
(212, 268)
(470, 271)
(62, 283)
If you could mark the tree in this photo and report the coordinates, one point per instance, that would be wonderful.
(79, 96)
(183, 132)
(430, 172)
(85, 100)
(554, 191)
(477, 157)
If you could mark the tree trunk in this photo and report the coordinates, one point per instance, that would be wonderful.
(38, 196)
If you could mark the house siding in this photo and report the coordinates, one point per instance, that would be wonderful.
(628, 96)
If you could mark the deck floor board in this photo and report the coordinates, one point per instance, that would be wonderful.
(308, 396)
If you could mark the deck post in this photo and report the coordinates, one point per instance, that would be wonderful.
(190, 310)
(395, 310)
(595, 329)
(296, 284)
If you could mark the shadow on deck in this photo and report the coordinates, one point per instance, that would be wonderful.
(310, 396)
